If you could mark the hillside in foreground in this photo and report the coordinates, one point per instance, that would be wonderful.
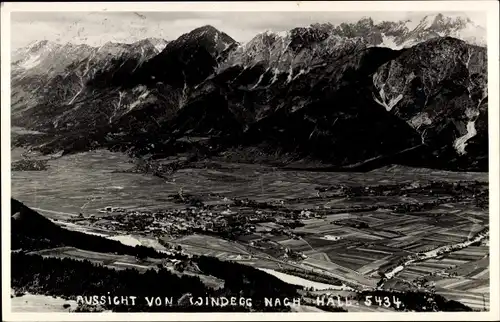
(37, 269)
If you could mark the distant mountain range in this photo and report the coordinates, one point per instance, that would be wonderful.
(348, 97)
(407, 33)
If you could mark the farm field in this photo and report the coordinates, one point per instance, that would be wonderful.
(106, 259)
(89, 181)
(462, 275)
(354, 227)
(466, 263)
(210, 246)
(343, 273)
(121, 262)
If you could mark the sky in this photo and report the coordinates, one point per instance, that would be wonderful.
(97, 28)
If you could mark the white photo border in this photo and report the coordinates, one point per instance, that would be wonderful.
(490, 7)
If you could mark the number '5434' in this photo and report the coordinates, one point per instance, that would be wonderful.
(382, 301)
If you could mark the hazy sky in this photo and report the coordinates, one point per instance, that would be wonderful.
(96, 28)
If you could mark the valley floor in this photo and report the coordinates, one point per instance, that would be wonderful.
(351, 231)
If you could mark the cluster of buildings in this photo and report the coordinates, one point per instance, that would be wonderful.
(222, 221)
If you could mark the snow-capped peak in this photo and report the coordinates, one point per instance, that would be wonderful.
(31, 55)
(405, 33)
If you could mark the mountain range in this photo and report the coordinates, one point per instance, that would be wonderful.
(348, 97)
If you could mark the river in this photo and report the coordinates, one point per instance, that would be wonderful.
(435, 253)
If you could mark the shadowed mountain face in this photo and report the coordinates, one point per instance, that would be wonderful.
(310, 94)
(440, 88)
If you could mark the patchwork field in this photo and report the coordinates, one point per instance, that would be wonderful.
(462, 275)
(354, 227)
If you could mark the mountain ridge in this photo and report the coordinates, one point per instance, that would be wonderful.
(307, 93)
(406, 33)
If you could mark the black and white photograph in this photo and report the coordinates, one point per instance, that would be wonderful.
(299, 160)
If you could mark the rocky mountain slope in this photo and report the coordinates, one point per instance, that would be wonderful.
(308, 95)
(46, 73)
(439, 87)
